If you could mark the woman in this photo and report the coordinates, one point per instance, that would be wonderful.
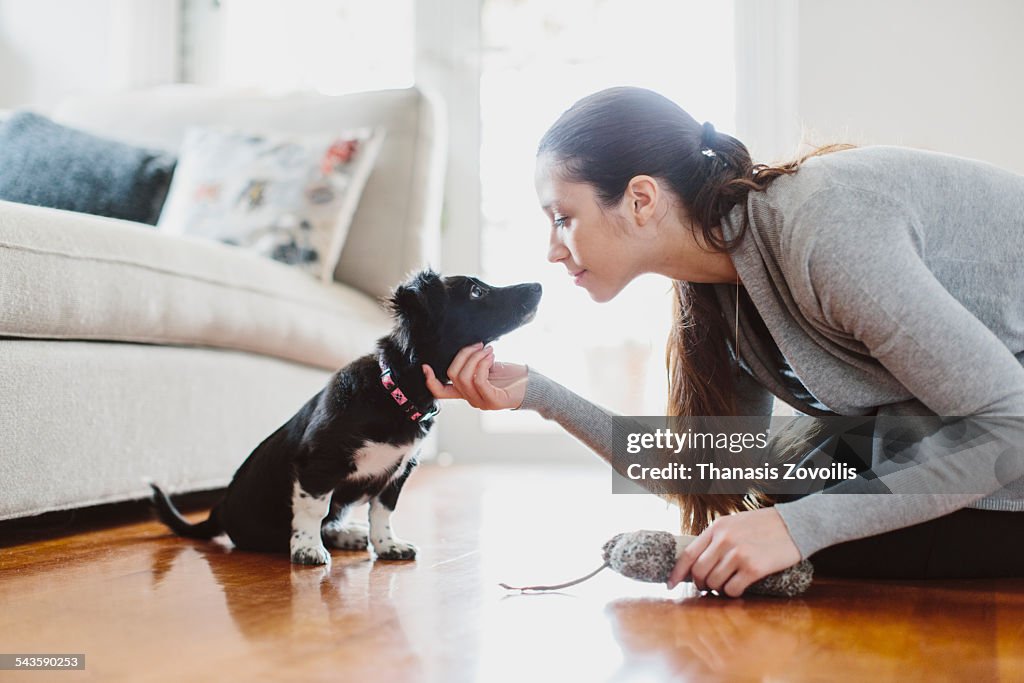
(855, 281)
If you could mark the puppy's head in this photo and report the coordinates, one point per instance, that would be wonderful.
(436, 316)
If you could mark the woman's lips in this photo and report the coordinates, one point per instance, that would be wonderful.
(578, 276)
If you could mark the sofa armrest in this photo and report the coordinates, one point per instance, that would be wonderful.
(383, 245)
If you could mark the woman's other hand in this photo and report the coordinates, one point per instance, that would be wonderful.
(482, 382)
(735, 551)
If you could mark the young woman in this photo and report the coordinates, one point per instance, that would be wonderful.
(855, 281)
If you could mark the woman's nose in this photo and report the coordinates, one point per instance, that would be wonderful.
(556, 250)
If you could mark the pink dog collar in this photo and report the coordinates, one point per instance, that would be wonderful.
(389, 384)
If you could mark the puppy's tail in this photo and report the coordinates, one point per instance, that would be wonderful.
(170, 516)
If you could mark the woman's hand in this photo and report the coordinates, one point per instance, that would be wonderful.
(482, 382)
(735, 551)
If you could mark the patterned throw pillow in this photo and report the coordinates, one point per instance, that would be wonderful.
(290, 198)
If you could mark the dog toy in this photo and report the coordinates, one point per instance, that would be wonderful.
(650, 556)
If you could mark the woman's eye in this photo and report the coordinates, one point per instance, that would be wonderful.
(476, 292)
(560, 221)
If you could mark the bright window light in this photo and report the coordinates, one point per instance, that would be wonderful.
(539, 58)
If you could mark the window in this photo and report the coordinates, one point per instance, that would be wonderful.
(538, 58)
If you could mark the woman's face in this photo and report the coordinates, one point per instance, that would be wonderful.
(586, 238)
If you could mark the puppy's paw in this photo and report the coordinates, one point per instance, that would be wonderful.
(310, 553)
(350, 536)
(394, 549)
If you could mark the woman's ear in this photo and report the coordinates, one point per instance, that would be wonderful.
(642, 194)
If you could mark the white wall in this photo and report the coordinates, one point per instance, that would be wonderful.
(50, 49)
(942, 75)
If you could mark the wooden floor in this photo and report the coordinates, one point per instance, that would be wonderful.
(143, 605)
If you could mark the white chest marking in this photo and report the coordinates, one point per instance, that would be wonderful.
(375, 459)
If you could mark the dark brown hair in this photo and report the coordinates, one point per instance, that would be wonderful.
(608, 138)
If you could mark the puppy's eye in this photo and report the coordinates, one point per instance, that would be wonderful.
(477, 292)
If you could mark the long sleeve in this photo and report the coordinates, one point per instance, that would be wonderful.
(593, 424)
(588, 422)
(870, 282)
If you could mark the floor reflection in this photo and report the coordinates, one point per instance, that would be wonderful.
(704, 635)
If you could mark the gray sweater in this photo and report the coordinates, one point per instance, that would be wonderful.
(876, 281)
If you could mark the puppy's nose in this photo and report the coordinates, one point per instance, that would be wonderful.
(535, 288)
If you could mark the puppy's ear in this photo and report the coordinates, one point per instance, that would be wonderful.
(417, 306)
(411, 296)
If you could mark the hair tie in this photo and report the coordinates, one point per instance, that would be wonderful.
(706, 137)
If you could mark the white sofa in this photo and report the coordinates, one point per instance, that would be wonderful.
(126, 353)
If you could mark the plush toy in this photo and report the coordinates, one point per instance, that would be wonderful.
(650, 556)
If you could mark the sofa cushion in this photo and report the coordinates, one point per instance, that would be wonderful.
(66, 275)
(46, 164)
(288, 197)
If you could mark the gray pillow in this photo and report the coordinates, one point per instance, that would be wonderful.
(46, 164)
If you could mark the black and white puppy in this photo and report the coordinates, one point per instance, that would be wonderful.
(358, 438)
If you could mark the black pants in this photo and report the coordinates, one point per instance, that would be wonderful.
(966, 544)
